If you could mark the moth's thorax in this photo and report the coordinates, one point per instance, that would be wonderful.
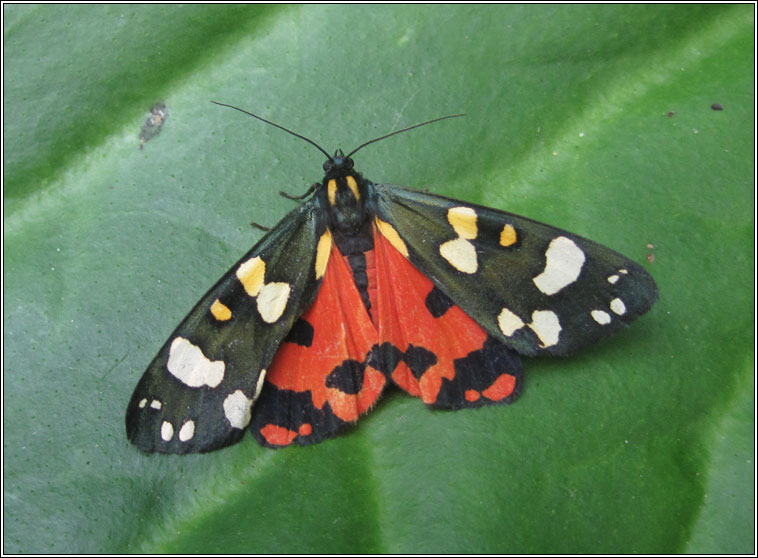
(345, 195)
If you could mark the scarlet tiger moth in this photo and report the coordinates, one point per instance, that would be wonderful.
(366, 285)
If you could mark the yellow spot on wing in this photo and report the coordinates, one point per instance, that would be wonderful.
(508, 236)
(331, 190)
(463, 221)
(353, 185)
(390, 234)
(220, 311)
(251, 275)
(322, 253)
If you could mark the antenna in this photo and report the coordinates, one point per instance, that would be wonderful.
(313, 143)
(404, 130)
(317, 146)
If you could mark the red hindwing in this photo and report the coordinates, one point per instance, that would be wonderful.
(321, 377)
(449, 360)
(336, 361)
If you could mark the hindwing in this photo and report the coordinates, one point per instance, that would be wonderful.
(327, 371)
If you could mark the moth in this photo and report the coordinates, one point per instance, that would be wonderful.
(368, 285)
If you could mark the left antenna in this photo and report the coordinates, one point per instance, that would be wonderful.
(313, 143)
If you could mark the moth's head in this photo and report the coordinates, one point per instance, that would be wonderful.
(338, 165)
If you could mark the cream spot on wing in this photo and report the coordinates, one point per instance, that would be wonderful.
(461, 254)
(624, 271)
(353, 185)
(613, 279)
(220, 311)
(322, 253)
(618, 306)
(463, 221)
(189, 365)
(237, 409)
(331, 192)
(509, 322)
(272, 300)
(259, 384)
(547, 327)
(155, 404)
(167, 431)
(251, 275)
(142, 403)
(187, 431)
(564, 261)
(508, 236)
(603, 318)
(389, 232)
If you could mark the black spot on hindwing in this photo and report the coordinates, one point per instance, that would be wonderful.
(384, 358)
(347, 377)
(437, 302)
(291, 409)
(419, 360)
(300, 334)
(477, 371)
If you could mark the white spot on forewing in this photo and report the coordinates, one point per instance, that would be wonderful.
(564, 261)
(272, 300)
(547, 327)
(142, 403)
(187, 431)
(612, 279)
(544, 324)
(188, 364)
(155, 404)
(603, 318)
(509, 322)
(618, 306)
(167, 431)
(461, 254)
(259, 384)
(237, 409)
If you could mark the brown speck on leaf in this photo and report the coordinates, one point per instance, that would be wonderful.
(153, 124)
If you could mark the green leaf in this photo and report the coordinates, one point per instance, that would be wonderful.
(640, 444)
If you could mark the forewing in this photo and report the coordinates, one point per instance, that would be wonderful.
(197, 393)
(537, 288)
